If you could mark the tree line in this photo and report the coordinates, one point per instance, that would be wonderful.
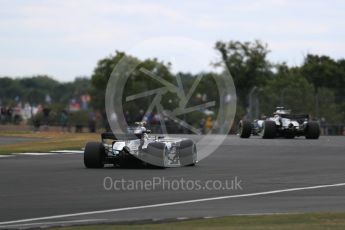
(35, 90)
(316, 86)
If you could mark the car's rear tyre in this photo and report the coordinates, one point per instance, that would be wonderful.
(94, 155)
(269, 130)
(245, 129)
(127, 160)
(187, 153)
(156, 154)
(312, 130)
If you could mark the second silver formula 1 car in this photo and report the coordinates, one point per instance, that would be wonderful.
(281, 124)
(137, 147)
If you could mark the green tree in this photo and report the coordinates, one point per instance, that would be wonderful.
(328, 77)
(248, 65)
(100, 77)
(138, 81)
(289, 90)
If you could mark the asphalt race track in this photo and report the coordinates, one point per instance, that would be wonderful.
(276, 176)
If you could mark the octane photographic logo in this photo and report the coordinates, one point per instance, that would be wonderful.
(168, 184)
(201, 107)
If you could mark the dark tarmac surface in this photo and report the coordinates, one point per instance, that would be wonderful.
(45, 186)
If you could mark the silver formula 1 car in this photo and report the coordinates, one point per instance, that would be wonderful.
(281, 124)
(137, 147)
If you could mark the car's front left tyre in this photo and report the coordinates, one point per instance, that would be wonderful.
(156, 154)
(187, 153)
(94, 155)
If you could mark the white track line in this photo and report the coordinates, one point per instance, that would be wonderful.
(173, 203)
(34, 154)
(5, 156)
(67, 151)
(53, 223)
(51, 153)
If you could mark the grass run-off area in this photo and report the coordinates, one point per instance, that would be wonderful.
(315, 221)
(47, 141)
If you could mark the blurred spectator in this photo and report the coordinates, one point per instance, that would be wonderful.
(46, 112)
(155, 122)
(140, 116)
(17, 117)
(9, 113)
(150, 119)
(37, 123)
(156, 119)
(208, 124)
(64, 119)
(3, 115)
(202, 126)
(92, 122)
(323, 125)
(78, 128)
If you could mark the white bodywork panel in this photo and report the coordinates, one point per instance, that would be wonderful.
(118, 146)
(137, 147)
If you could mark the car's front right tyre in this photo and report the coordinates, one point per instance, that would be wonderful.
(245, 129)
(269, 130)
(312, 130)
(94, 155)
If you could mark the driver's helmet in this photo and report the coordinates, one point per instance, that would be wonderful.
(139, 130)
(281, 110)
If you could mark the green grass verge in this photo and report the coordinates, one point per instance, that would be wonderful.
(51, 141)
(315, 221)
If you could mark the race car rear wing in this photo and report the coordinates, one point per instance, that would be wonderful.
(122, 136)
(300, 118)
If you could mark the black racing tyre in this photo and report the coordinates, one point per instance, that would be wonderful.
(94, 155)
(187, 153)
(155, 155)
(312, 130)
(245, 129)
(127, 160)
(269, 130)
